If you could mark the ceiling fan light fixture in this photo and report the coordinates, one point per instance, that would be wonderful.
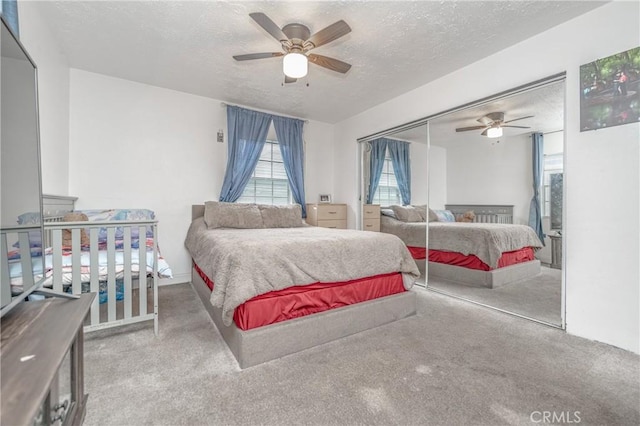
(494, 132)
(295, 65)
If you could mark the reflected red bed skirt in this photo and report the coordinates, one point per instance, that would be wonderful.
(472, 262)
(298, 301)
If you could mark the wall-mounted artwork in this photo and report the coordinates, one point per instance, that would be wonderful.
(610, 91)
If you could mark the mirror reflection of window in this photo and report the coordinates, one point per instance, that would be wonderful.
(388, 193)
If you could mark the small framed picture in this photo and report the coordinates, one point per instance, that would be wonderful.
(325, 198)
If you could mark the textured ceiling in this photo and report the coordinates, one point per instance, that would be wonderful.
(394, 46)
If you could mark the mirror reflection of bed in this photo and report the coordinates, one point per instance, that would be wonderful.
(468, 176)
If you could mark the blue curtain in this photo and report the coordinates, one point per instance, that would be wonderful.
(376, 163)
(535, 211)
(247, 134)
(399, 153)
(289, 132)
(10, 15)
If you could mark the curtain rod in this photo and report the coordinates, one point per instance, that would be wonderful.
(224, 104)
(548, 133)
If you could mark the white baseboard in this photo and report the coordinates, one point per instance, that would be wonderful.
(177, 279)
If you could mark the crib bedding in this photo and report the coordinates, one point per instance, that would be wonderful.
(15, 266)
(245, 263)
(486, 241)
(299, 301)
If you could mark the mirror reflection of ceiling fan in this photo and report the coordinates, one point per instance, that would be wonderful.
(297, 41)
(492, 124)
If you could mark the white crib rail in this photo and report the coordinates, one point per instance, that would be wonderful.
(484, 213)
(116, 313)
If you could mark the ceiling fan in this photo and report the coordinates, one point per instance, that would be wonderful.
(297, 41)
(492, 124)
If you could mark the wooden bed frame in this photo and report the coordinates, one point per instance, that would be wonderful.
(253, 347)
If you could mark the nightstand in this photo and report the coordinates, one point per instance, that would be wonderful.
(327, 215)
(371, 217)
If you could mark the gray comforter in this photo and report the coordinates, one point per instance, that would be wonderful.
(244, 263)
(487, 241)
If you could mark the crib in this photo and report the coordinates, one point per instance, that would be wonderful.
(127, 291)
(485, 213)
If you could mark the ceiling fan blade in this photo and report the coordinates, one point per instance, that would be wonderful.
(330, 63)
(487, 121)
(288, 79)
(517, 127)
(516, 119)
(269, 26)
(485, 132)
(250, 56)
(327, 35)
(464, 129)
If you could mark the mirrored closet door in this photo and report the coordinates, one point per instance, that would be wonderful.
(484, 162)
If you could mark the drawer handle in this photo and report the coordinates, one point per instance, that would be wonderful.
(369, 226)
(332, 212)
(368, 211)
(331, 227)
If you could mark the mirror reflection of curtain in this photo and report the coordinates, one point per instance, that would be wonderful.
(9, 10)
(401, 159)
(376, 163)
(289, 132)
(535, 211)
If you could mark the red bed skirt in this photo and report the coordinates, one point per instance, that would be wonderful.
(472, 262)
(298, 301)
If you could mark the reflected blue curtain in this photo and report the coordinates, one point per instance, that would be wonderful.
(247, 131)
(10, 14)
(401, 159)
(289, 132)
(535, 210)
(376, 163)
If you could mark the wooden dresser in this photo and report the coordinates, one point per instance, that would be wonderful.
(42, 362)
(371, 217)
(327, 215)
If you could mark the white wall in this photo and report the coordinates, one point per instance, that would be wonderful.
(419, 173)
(53, 85)
(493, 171)
(437, 177)
(138, 146)
(601, 255)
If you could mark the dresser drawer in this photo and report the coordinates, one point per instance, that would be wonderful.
(332, 211)
(371, 211)
(371, 225)
(336, 224)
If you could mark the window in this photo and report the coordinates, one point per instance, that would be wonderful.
(552, 165)
(387, 193)
(268, 183)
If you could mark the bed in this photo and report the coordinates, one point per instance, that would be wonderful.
(113, 253)
(315, 284)
(490, 253)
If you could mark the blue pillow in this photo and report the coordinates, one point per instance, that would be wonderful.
(445, 215)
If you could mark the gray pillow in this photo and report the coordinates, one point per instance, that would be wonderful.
(422, 209)
(433, 217)
(407, 213)
(232, 215)
(289, 216)
(388, 212)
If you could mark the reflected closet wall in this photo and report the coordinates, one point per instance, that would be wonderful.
(468, 170)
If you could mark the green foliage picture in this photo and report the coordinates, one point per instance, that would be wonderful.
(610, 91)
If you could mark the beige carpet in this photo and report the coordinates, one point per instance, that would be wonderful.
(538, 297)
(454, 363)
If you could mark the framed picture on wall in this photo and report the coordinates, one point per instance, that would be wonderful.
(325, 198)
(610, 91)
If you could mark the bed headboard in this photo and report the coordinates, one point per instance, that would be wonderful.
(197, 210)
(485, 213)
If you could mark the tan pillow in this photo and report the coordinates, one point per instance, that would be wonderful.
(66, 233)
(407, 213)
(433, 217)
(281, 216)
(232, 215)
(422, 209)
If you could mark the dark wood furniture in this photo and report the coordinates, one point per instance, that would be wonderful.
(41, 362)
